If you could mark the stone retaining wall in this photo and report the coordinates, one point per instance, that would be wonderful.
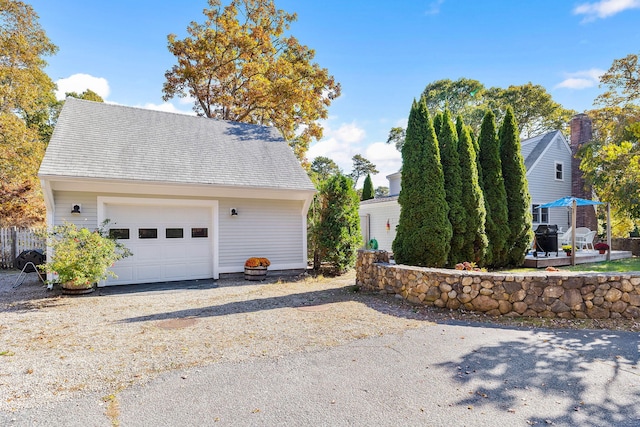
(631, 244)
(539, 294)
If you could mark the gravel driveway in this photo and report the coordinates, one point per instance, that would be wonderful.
(55, 347)
(207, 351)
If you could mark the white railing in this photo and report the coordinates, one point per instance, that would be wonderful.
(15, 240)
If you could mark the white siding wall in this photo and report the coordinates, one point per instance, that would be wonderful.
(262, 228)
(543, 185)
(64, 202)
(379, 213)
(394, 183)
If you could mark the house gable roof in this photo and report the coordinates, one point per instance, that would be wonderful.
(541, 145)
(382, 199)
(113, 142)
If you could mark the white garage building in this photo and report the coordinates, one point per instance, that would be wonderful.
(191, 197)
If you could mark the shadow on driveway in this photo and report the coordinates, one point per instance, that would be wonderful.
(157, 287)
(296, 300)
(595, 375)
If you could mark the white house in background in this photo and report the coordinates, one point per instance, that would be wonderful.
(379, 217)
(547, 159)
(192, 197)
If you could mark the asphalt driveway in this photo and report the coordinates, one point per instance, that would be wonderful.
(435, 375)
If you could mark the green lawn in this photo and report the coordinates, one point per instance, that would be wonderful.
(621, 265)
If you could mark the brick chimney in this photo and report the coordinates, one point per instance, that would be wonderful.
(581, 134)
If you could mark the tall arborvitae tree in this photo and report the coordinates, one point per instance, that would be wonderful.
(448, 144)
(516, 186)
(338, 228)
(367, 191)
(424, 233)
(495, 196)
(475, 238)
(474, 142)
(438, 118)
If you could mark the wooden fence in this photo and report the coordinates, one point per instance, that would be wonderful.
(15, 240)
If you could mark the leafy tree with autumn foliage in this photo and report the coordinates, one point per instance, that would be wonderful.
(460, 96)
(240, 65)
(361, 167)
(611, 164)
(622, 81)
(533, 107)
(26, 91)
(396, 136)
(324, 167)
(381, 191)
(611, 161)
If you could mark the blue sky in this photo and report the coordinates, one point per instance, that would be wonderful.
(382, 53)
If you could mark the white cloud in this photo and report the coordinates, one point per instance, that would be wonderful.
(581, 79)
(167, 107)
(387, 160)
(336, 150)
(187, 100)
(604, 8)
(341, 144)
(79, 83)
(402, 122)
(433, 8)
(349, 133)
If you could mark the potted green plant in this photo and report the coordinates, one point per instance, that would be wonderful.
(601, 247)
(81, 257)
(255, 268)
(567, 249)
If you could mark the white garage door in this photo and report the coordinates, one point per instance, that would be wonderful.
(169, 243)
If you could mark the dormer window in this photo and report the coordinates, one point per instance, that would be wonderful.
(559, 171)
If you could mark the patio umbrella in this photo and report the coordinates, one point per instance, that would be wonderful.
(568, 201)
(574, 202)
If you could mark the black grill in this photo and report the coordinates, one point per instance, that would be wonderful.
(546, 239)
(35, 256)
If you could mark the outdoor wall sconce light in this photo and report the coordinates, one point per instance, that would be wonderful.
(234, 212)
(76, 209)
(388, 226)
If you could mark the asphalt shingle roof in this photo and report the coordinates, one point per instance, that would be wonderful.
(541, 145)
(106, 141)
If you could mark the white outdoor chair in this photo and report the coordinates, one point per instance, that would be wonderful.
(585, 240)
(581, 232)
(565, 238)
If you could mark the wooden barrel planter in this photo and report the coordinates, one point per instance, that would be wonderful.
(255, 273)
(69, 288)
